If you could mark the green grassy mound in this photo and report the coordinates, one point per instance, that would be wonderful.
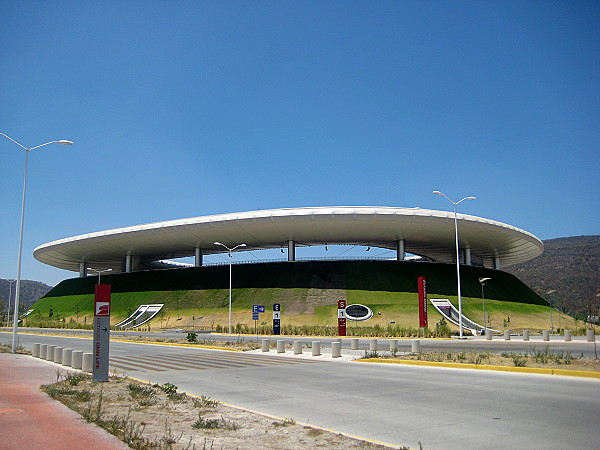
(307, 291)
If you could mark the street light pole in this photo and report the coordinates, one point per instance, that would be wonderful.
(229, 250)
(460, 316)
(551, 307)
(19, 258)
(99, 272)
(482, 282)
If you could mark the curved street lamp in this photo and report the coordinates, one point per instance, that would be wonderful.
(18, 280)
(230, 250)
(460, 316)
(99, 272)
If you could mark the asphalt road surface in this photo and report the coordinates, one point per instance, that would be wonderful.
(403, 405)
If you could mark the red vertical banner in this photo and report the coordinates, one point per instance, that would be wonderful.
(341, 317)
(102, 300)
(422, 302)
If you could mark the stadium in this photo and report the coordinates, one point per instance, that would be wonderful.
(144, 269)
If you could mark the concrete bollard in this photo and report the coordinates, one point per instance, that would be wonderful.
(336, 349)
(297, 347)
(58, 354)
(415, 346)
(525, 335)
(393, 345)
(546, 335)
(373, 345)
(507, 335)
(567, 335)
(316, 348)
(87, 361)
(591, 337)
(265, 345)
(77, 359)
(43, 350)
(488, 335)
(36, 351)
(67, 357)
(50, 353)
(353, 344)
(280, 346)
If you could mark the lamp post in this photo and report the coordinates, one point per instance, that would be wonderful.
(482, 282)
(229, 250)
(10, 282)
(99, 272)
(460, 321)
(18, 280)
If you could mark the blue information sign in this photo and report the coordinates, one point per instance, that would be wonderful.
(254, 316)
(261, 308)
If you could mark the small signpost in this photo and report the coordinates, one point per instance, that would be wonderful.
(341, 317)
(276, 318)
(101, 332)
(423, 303)
(256, 309)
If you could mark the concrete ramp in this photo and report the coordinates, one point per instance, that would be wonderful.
(143, 314)
(448, 310)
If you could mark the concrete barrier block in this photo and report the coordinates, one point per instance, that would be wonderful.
(297, 347)
(67, 357)
(507, 335)
(316, 348)
(353, 344)
(87, 362)
(546, 335)
(415, 346)
(280, 346)
(77, 359)
(567, 335)
(43, 350)
(525, 335)
(373, 345)
(393, 345)
(265, 345)
(36, 351)
(336, 349)
(488, 335)
(591, 337)
(58, 354)
(50, 353)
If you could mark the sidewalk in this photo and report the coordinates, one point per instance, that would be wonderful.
(29, 419)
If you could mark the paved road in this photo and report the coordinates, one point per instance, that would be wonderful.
(441, 408)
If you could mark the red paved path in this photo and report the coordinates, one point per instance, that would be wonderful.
(29, 419)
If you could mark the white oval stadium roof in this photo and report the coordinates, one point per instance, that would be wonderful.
(426, 232)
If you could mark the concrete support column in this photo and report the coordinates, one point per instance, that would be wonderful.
(67, 357)
(400, 252)
(415, 346)
(128, 262)
(316, 348)
(291, 250)
(77, 359)
(83, 268)
(36, 351)
(496, 262)
(280, 346)
(467, 256)
(567, 335)
(297, 347)
(265, 345)
(353, 344)
(198, 257)
(525, 335)
(591, 337)
(336, 349)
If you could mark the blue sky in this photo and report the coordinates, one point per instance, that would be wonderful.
(188, 108)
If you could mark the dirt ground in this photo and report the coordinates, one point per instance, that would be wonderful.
(159, 417)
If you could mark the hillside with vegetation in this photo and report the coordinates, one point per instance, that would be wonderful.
(31, 292)
(570, 267)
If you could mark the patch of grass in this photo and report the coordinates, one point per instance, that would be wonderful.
(204, 402)
(288, 422)
(219, 423)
